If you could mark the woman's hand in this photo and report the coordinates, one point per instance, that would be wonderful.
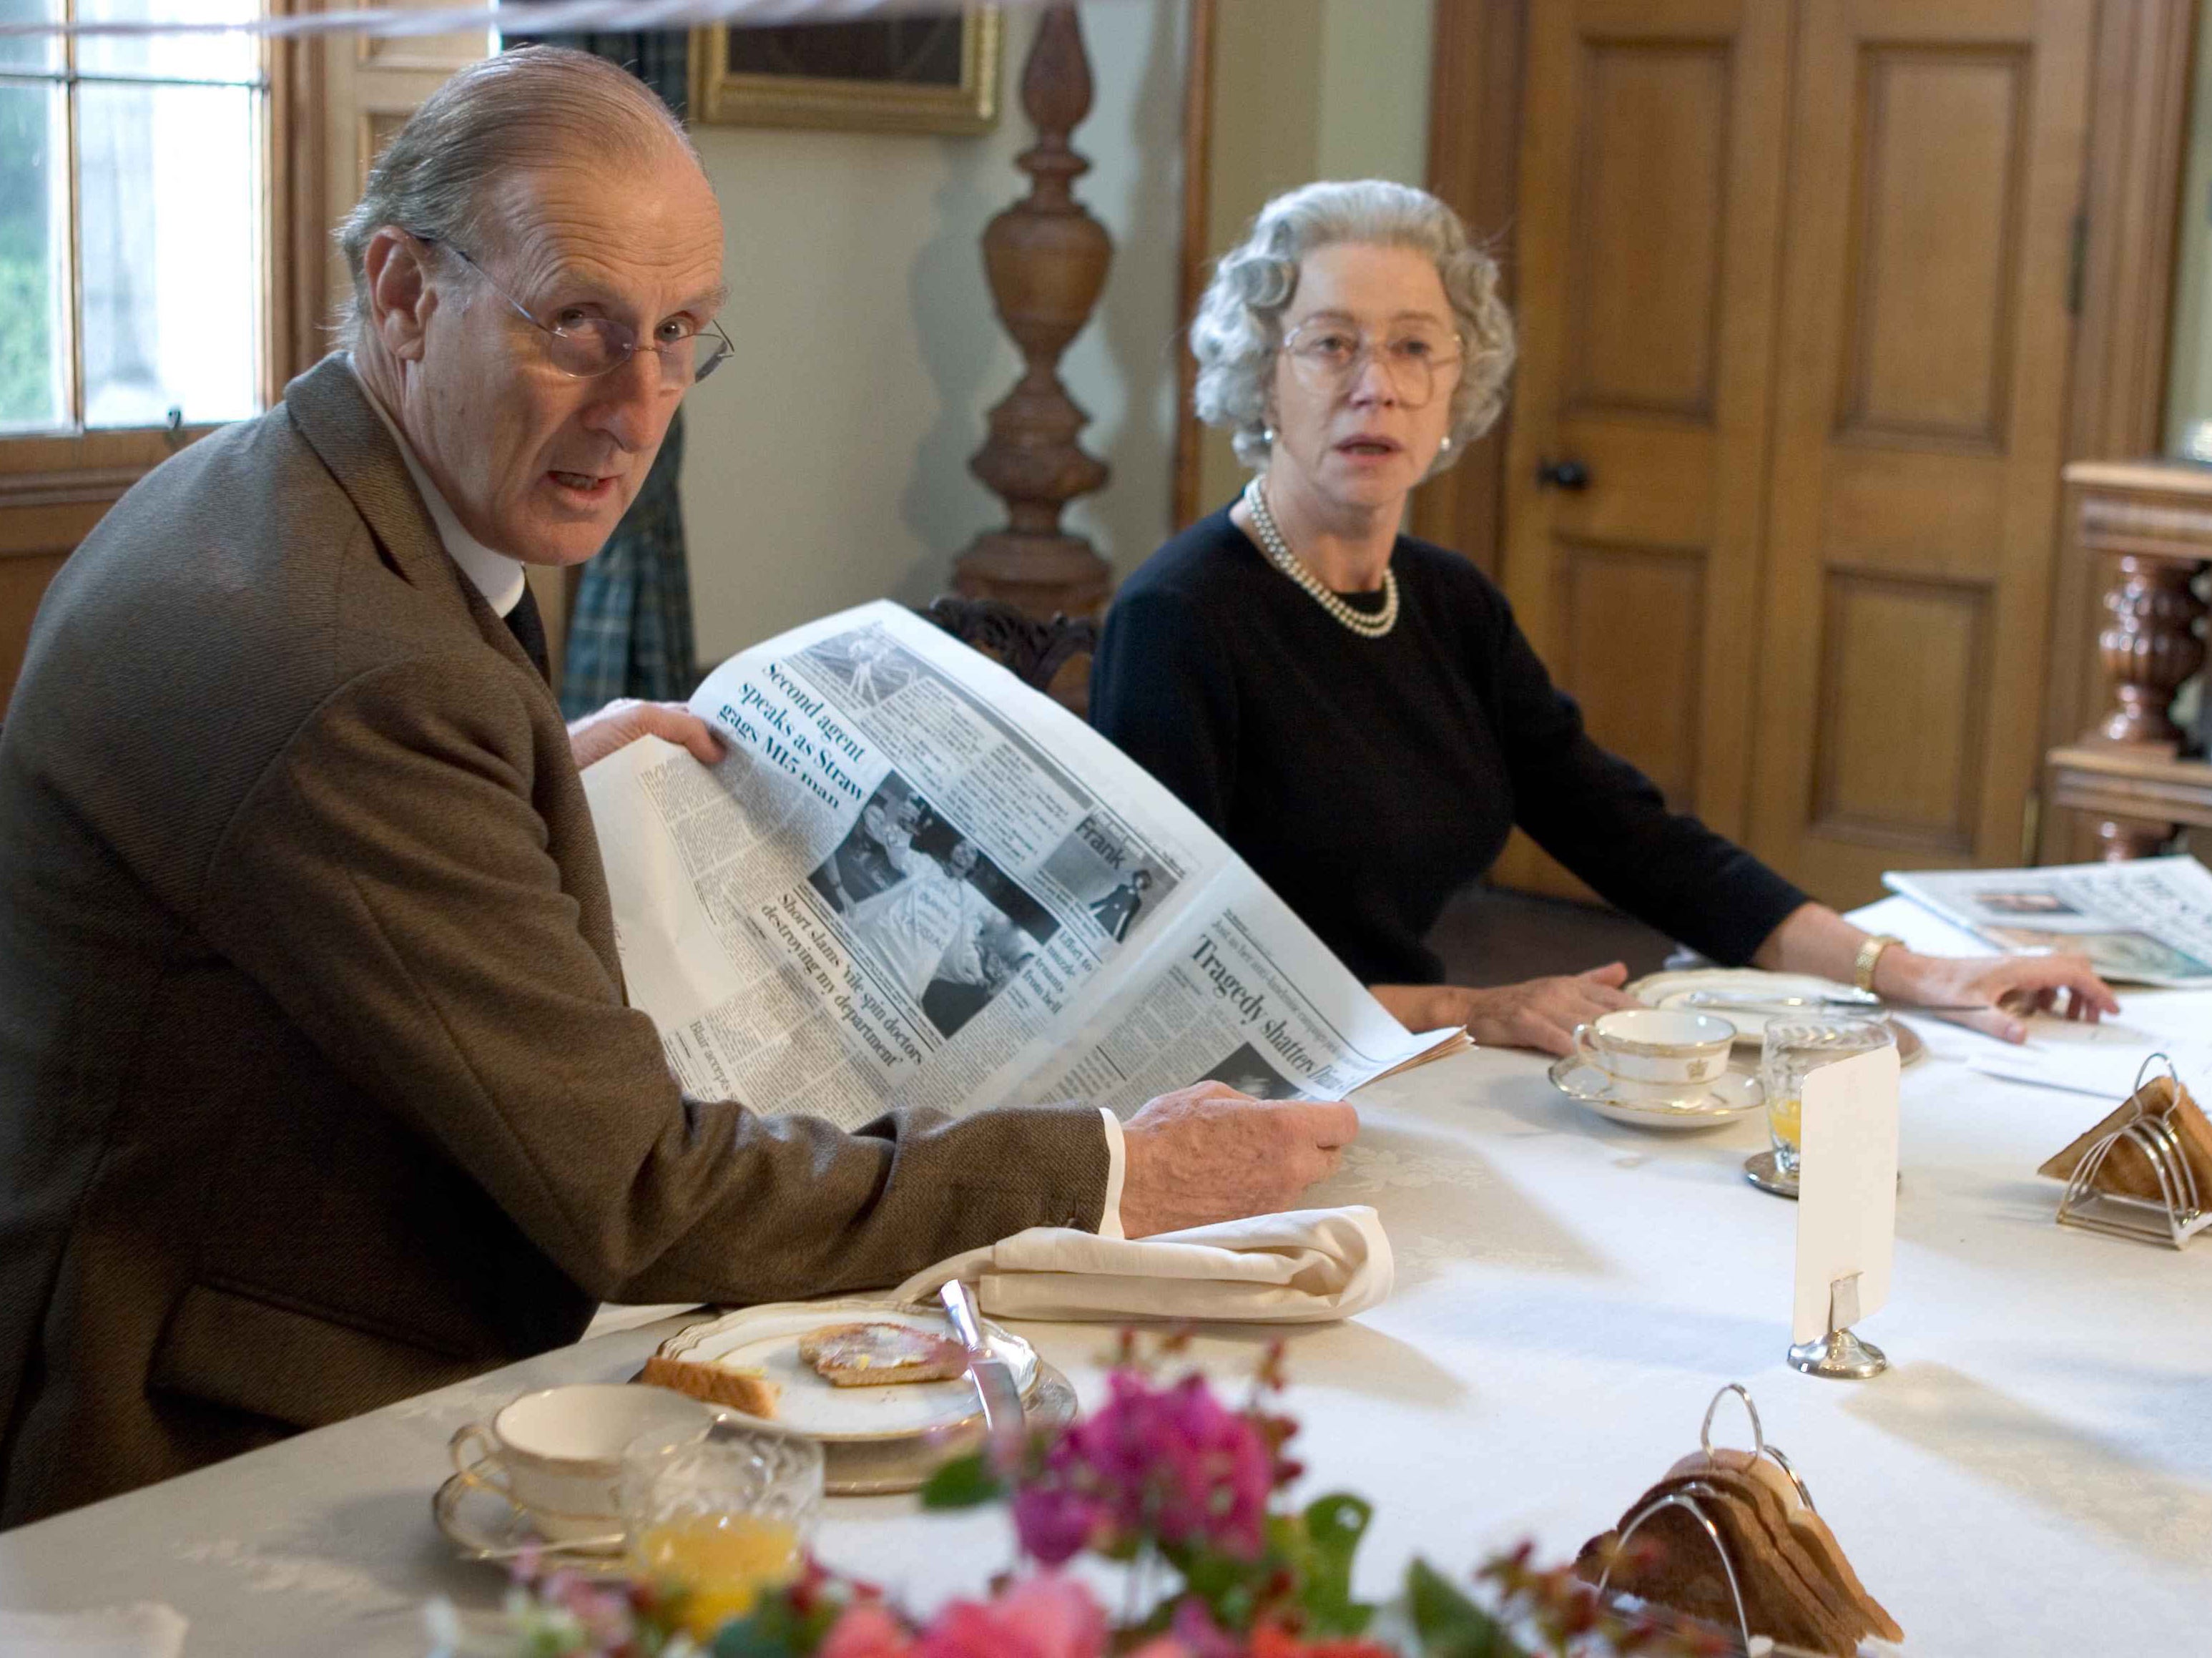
(1538, 1013)
(623, 721)
(2008, 986)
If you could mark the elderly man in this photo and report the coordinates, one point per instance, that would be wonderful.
(316, 1087)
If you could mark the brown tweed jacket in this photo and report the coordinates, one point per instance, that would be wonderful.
(316, 1086)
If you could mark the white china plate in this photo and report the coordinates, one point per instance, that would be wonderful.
(1734, 1095)
(767, 1338)
(1748, 984)
(484, 1526)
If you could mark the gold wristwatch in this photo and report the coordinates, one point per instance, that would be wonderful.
(1870, 956)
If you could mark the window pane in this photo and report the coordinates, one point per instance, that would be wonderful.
(168, 183)
(33, 243)
(172, 57)
(29, 51)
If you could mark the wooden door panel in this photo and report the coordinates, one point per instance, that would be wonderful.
(1926, 360)
(1648, 215)
(1937, 165)
(1639, 498)
(1927, 511)
(1651, 166)
(1611, 601)
(1901, 656)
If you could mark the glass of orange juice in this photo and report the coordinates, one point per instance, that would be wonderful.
(725, 1515)
(1787, 1053)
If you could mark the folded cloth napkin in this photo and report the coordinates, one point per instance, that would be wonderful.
(1302, 1266)
(144, 1630)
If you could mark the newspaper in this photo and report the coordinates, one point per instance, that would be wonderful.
(2148, 922)
(914, 881)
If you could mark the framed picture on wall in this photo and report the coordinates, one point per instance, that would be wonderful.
(922, 73)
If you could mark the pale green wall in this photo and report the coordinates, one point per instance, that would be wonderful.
(1307, 89)
(829, 465)
(2189, 375)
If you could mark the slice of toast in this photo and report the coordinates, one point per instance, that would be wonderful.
(873, 1354)
(1809, 1529)
(1671, 1563)
(1780, 1550)
(749, 1391)
(2126, 1171)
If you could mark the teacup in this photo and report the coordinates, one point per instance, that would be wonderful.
(556, 1453)
(1657, 1055)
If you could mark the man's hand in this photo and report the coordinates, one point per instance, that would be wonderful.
(1540, 1013)
(1208, 1153)
(623, 721)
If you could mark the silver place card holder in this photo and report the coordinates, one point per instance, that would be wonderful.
(2178, 1214)
(1754, 1646)
(1840, 1355)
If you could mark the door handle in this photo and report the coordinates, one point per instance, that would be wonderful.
(1562, 475)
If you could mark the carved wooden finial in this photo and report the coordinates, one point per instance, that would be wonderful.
(1046, 258)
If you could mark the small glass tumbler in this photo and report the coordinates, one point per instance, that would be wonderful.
(725, 1516)
(1787, 1053)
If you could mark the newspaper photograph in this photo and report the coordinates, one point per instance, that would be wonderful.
(2147, 921)
(913, 880)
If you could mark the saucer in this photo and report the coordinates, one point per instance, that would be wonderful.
(1748, 984)
(1734, 1094)
(484, 1525)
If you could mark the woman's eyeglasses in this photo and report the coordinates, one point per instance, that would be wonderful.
(1326, 352)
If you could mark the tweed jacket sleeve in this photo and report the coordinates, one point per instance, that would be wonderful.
(388, 880)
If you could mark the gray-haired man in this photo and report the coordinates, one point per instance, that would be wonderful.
(319, 1088)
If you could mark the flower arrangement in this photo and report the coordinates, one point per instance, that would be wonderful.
(1188, 1494)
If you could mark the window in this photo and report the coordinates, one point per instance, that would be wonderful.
(132, 221)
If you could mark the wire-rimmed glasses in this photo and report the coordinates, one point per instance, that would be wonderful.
(1326, 352)
(591, 346)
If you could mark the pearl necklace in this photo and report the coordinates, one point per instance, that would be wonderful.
(1280, 555)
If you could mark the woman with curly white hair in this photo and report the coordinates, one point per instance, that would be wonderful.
(1356, 711)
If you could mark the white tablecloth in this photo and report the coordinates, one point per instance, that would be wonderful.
(2033, 1475)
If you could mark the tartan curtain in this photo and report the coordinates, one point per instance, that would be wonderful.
(629, 631)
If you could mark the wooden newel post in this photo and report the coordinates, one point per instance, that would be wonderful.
(1046, 257)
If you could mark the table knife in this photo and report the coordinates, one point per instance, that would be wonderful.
(1842, 1002)
(1004, 1429)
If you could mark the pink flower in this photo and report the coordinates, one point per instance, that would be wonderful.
(1194, 1626)
(867, 1630)
(1044, 1617)
(1056, 1524)
(1170, 1463)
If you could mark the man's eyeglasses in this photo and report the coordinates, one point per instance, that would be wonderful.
(584, 347)
(1326, 352)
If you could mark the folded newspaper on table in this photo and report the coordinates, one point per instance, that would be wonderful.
(2146, 922)
(914, 881)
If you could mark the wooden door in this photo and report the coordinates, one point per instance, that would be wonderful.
(1652, 159)
(1937, 156)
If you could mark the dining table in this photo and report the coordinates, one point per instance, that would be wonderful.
(2032, 1475)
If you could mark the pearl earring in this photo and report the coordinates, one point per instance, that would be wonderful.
(1445, 448)
(1266, 435)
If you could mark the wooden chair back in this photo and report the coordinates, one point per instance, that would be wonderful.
(1053, 657)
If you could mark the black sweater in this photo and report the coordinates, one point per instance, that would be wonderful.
(1366, 780)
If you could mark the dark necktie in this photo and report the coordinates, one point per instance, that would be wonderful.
(529, 630)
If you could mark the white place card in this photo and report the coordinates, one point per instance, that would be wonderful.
(1846, 1188)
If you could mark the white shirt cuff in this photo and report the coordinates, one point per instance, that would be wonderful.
(1117, 1165)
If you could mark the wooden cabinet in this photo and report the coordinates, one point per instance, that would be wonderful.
(1796, 285)
(2148, 524)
